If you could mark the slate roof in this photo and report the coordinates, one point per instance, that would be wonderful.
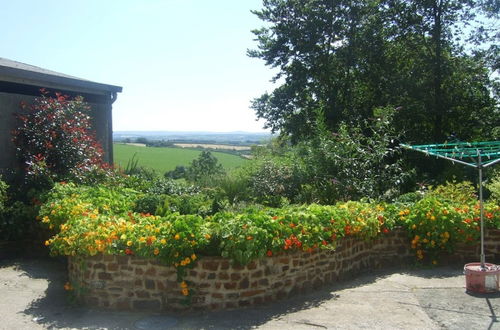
(21, 73)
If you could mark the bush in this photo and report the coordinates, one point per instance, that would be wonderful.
(204, 169)
(200, 204)
(444, 217)
(275, 182)
(457, 192)
(148, 204)
(178, 173)
(55, 141)
(494, 187)
(360, 160)
(163, 186)
(91, 220)
(66, 201)
(3, 195)
(17, 222)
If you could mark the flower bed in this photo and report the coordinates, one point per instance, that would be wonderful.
(136, 283)
(95, 224)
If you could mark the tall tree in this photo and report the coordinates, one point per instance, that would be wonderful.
(349, 57)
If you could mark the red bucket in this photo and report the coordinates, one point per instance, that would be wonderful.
(482, 280)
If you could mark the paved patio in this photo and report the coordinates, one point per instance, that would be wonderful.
(32, 297)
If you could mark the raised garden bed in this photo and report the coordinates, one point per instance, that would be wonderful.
(135, 283)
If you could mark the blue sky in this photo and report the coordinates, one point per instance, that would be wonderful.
(182, 63)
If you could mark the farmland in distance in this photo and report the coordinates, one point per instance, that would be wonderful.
(166, 159)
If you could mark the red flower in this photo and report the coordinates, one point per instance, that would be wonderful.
(129, 251)
(385, 230)
(269, 253)
(347, 229)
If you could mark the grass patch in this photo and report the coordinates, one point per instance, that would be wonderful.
(166, 159)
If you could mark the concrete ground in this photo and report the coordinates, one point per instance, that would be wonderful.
(32, 297)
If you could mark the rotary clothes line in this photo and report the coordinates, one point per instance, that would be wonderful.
(474, 154)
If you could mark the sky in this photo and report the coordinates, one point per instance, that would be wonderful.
(182, 63)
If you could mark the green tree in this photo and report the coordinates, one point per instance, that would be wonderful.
(350, 57)
(204, 168)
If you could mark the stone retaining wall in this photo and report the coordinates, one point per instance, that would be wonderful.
(132, 283)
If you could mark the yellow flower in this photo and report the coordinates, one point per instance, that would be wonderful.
(123, 237)
(193, 257)
(177, 236)
(185, 291)
(207, 236)
(414, 226)
(45, 219)
(129, 243)
(163, 241)
(184, 284)
(156, 251)
(142, 239)
(47, 243)
(433, 218)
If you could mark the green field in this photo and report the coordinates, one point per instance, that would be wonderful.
(166, 159)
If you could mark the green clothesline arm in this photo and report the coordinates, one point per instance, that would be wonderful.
(457, 154)
(469, 144)
(428, 153)
(491, 163)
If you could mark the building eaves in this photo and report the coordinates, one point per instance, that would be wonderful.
(21, 73)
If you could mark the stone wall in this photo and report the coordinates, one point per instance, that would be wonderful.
(132, 283)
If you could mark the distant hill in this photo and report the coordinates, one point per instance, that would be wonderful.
(232, 138)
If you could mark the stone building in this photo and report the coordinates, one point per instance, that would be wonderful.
(22, 82)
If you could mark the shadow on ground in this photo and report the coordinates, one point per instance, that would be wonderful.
(53, 309)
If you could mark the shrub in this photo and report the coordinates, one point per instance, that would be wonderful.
(204, 169)
(458, 192)
(55, 141)
(17, 222)
(148, 204)
(97, 219)
(163, 186)
(494, 187)
(200, 204)
(359, 160)
(275, 182)
(444, 217)
(3, 195)
(67, 200)
(178, 173)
